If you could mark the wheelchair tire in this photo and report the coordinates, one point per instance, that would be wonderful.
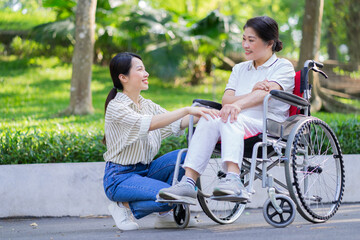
(276, 219)
(181, 215)
(222, 212)
(315, 171)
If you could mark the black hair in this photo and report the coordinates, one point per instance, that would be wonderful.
(267, 29)
(120, 64)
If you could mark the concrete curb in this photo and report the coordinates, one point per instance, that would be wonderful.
(75, 189)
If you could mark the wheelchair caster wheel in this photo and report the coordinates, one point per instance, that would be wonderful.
(181, 215)
(275, 218)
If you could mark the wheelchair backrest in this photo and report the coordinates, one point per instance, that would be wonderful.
(300, 86)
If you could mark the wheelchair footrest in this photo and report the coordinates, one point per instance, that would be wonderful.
(231, 198)
(177, 201)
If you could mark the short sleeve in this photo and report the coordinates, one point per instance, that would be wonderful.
(231, 85)
(173, 128)
(283, 74)
(137, 124)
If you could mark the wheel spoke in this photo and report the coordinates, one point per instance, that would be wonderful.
(271, 216)
(282, 203)
(318, 176)
(287, 210)
(220, 211)
(281, 218)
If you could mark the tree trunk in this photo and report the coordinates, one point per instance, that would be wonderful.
(352, 20)
(331, 104)
(310, 43)
(80, 92)
(331, 48)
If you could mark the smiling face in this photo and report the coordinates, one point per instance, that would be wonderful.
(255, 48)
(137, 79)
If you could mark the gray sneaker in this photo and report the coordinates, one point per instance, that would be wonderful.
(181, 191)
(231, 186)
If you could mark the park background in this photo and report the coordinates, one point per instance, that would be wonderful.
(188, 46)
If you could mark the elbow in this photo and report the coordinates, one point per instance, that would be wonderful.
(153, 126)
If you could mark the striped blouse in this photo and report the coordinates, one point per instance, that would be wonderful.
(128, 139)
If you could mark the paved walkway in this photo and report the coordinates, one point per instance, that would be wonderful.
(251, 225)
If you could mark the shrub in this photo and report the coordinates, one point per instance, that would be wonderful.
(65, 53)
(39, 146)
(49, 146)
(52, 145)
(347, 133)
(2, 49)
(25, 48)
(172, 143)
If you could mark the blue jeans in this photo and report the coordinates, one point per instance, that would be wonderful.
(139, 184)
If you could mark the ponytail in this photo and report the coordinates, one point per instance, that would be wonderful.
(110, 97)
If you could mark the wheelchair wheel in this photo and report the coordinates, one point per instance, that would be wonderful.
(223, 212)
(275, 218)
(315, 170)
(181, 215)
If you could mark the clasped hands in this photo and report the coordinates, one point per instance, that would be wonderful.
(233, 109)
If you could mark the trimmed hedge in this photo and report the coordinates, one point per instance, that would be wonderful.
(53, 145)
(348, 135)
(57, 146)
(37, 146)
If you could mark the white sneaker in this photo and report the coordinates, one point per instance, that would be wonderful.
(123, 217)
(167, 221)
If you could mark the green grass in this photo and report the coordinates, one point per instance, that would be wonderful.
(10, 20)
(336, 117)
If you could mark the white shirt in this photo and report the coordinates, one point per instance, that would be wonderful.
(244, 76)
(128, 139)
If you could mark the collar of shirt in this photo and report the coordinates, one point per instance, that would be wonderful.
(123, 98)
(267, 64)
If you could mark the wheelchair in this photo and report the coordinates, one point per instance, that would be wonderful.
(304, 146)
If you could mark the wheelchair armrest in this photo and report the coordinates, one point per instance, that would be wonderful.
(289, 98)
(208, 103)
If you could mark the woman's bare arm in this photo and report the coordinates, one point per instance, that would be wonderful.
(164, 119)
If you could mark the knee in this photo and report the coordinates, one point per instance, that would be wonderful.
(209, 123)
(235, 126)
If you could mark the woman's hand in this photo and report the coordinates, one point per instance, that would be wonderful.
(229, 109)
(263, 85)
(197, 112)
(202, 112)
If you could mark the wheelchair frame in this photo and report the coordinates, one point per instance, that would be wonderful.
(292, 142)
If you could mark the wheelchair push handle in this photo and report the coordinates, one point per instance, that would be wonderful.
(319, 71)
(318, 64)
(313, 63)
(315, 66)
